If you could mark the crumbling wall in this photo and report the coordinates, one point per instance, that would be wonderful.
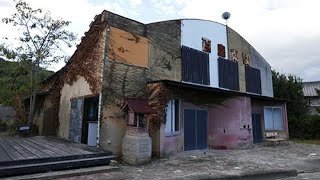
(83, 71)
(120, 81)
(165, 50)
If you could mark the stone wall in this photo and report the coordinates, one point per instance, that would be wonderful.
(124, 23)
(136, 147)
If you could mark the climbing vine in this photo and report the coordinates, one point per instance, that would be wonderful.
(87, 61)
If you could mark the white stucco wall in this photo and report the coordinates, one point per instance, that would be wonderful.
(192, 32)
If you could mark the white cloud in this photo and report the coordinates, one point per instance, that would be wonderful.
(285, 32)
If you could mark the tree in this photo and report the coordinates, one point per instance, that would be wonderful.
(290, 87)
(41, 41)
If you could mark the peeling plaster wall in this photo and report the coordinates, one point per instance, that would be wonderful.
(236, 42)
(113, 129)
(77, 89)
(172, 143)
(257, 61)
(128, 48)
(120, 81)
(192, 32)
(258, 108)
(225, 124)
(165, 50)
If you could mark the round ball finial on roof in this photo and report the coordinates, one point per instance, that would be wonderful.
(226, 15)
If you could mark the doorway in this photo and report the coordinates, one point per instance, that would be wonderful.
(195, 129)
(257, 128)
(83, 116)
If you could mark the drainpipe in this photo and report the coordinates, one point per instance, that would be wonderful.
(99, 119)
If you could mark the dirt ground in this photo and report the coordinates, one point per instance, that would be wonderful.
(305, 158)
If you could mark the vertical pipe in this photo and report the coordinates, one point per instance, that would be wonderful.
(99, 119)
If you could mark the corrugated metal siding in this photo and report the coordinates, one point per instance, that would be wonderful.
(228, 74)
(253, 80)
(195, 66)
(310, 88)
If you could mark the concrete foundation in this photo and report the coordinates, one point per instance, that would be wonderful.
(136, 147)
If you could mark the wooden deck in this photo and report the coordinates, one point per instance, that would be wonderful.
(19, 152)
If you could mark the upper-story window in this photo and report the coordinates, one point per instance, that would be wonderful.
(228, 74)
(195, 66)
(253, 80)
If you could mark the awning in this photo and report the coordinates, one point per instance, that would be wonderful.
(216, 90)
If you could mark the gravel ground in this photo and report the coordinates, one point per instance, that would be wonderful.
(305, 158)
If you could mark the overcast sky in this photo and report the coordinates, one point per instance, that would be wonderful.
(285, 32)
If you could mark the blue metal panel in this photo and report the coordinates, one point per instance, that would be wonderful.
(257, 128)
(201, 128)
(257, 61)
(228, 74)
(253, 80)
(195, 66)
(190, 141)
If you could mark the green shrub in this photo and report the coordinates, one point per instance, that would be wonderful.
(307, 127)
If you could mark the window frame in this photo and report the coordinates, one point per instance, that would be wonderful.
(172, 118)
(282, 118)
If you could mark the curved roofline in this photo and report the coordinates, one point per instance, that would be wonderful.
(182, 19)
(251, 46)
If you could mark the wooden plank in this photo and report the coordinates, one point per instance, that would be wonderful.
(3, 155)
(62, 145)
(23, 151)
(52, 148)
(15, 155)
(84, 147)
(31, 148)
(56, 145)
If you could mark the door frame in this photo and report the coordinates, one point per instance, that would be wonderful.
(253, 127)
(196, 128)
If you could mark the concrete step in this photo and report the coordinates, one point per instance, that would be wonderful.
(21, 169)
(66, 173)
(53, 159)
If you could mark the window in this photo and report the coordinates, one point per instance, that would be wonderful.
(195, 66)
(273, 118)
(173, 120)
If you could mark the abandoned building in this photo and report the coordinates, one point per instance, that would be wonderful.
(311, 90)
(162, 87)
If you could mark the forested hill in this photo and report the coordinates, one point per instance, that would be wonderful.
(15, 79)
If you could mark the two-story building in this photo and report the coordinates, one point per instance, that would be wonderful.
(208, 87)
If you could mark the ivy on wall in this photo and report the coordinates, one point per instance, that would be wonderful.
(87, 61)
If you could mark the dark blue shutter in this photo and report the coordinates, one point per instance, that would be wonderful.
(253, 80)
(195, 66)
(228, 74)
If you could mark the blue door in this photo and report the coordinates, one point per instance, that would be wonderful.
(190, 139)
(201, 127)
(195, 129)
(257, 128)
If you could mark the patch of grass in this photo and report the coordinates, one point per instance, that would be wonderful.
(307, 141)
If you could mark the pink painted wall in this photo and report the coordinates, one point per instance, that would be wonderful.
(225, 124)
(170, 144)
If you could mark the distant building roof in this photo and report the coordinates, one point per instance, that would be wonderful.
(311, 88)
